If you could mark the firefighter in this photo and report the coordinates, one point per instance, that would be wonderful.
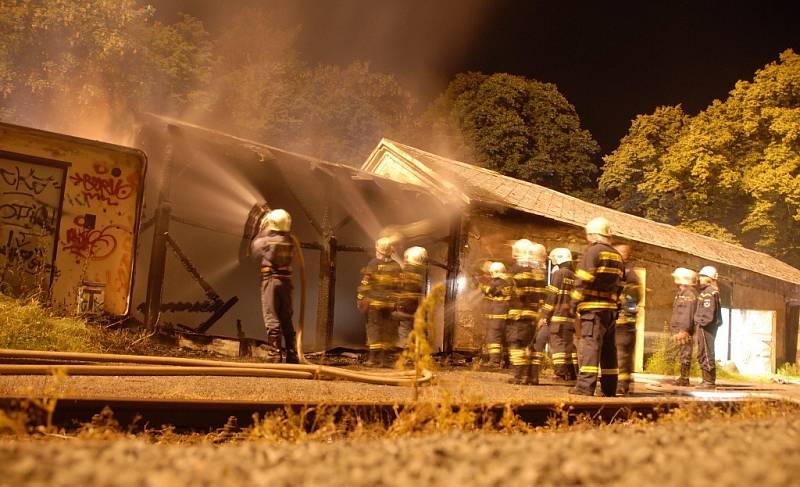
(496, 296)
(537, 289)
(707, 318)
(557, 315)
(597, 285)
(412, 287)
(626, 322)
(377, 297)
(275, 247)
(522, 311)
(681, 323)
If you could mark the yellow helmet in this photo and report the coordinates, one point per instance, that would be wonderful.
(279, 220)
(415, 256)
(709, 271)
(560, 255)
(383, 247)
(598, 226)
(497, 269)
(537, 253)
(521, 249)
(684, 276)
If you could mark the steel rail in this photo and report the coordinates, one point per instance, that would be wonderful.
(208, 415)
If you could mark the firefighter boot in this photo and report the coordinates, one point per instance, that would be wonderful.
(623, 388)
(683, 380)
(519, 374)
(709, 379)
(291, 349)
(495, 361)
(533, 375)
(273, 349)
(572, 373)
(373, 358)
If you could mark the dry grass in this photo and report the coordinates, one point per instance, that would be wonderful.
(26, 325)
(329, 423)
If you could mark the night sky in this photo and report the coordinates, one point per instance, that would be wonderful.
(611, 59)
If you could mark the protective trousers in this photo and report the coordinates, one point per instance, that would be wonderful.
(381, 328)
(495, 331)
(705, 337)
(562, 346)
(626, 343)
(681, 353)
(276, 308)
(405, 323)
(598, 352)
(539, 344)
(518, 336)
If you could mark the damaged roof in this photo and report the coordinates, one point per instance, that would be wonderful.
(471, 183)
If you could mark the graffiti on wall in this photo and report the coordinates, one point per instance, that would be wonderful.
(30, 196)
(85, 242)
(104, 185)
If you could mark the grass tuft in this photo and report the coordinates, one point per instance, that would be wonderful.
(26, 325)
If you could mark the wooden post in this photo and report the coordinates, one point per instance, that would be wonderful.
(327, 293)
(451, 284)
(158, 253)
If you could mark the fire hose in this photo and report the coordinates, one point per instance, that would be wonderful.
(164, 366)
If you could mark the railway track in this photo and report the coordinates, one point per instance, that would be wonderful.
(208, 415)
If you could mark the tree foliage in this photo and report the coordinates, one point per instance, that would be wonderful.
(62, 61)
(732, 171)
(520, 127)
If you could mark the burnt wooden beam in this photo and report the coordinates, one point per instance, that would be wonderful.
(454, 247)
(327, 294)
(158, 254)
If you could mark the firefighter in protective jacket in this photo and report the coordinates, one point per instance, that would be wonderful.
(707, 318)
(412, 287)
(377, 297)
(597, 286)
(681, 323)
(557, 313)
(496, 297)
(528, 279)
(626, 322)
(275, 247)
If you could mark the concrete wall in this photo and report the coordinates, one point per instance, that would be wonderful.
(101, 182)
(489, 233)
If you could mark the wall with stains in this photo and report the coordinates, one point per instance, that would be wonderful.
(489, 233)
(99, 186)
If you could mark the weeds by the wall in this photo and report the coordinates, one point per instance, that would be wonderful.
(25, 324)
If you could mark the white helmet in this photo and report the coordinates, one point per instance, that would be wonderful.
(708, 271)
(415, 256)
(279, 220)
(598, 226)
(538, 254)
(684, 276)
(560, 255)
(520, 251)
(497, 269)
(384, 248)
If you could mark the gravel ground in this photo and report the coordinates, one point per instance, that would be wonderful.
(459, 385)
(736, 452)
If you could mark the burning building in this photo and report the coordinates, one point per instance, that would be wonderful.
(761, 294)
(202, 187)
